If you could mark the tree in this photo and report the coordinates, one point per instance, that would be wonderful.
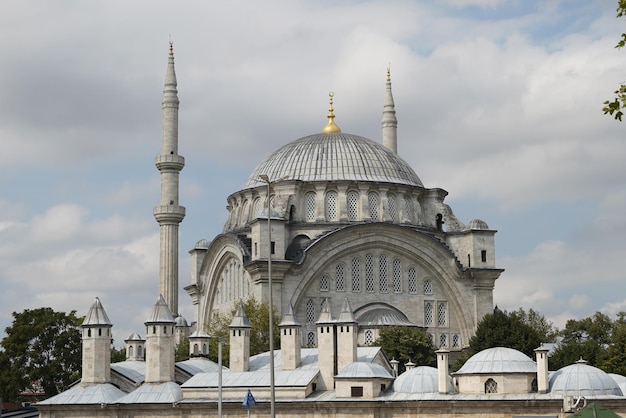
(118, 354)
(42, 347)
(587, 338)
(406, 344)
(520, 330)
(182, 350)
(258, 315)
(613, 360)
(617, 105)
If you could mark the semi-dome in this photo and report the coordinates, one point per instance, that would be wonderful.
(422, 379)
(498, 360)
(581, 379)
(335, 157)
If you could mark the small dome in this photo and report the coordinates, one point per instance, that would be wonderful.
(477, 224)
(498, 360)
(422, 379)
(335, 157)
(581, 379)
(134, 337)
(203, 244)
(620, 380)
(364, 370)
(180, 321)
(380, 316)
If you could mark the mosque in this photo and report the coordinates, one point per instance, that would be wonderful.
(338, 233)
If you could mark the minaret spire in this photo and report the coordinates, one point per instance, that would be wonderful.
(390, 123)
(169, 214)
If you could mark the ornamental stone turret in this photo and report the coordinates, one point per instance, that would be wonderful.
(160, 344)
(169, 214)
(326, 353)
(239, 342)
(135, 347)
(347, 336)
(290, 345)
(96, 337)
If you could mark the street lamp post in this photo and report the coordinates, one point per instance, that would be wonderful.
(265, 179)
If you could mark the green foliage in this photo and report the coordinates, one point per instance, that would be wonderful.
(587, 338)
(42, 347)
(406, 344)
(613, 360)
(520, 330)
(182, 350)
(617, 105)
(118, 354)
(258, 315)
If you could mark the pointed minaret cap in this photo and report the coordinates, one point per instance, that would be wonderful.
(170, 92)
(331, 127)
(160, 313)
(325, 316)
(346, 314)
(96, 315)
(240, 320)
(289, 318)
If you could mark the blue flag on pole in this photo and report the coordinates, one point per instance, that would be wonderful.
(249, 400)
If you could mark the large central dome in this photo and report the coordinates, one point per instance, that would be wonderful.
(335, 157)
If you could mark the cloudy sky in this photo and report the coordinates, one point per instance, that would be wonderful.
(498, 102)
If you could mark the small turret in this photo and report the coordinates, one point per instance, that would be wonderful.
(199, 344)
(240, 342)
(96, 336)
(290, 345)
(542, 368)
(160, 344)
(135, 347)
(326, 355)
(347, 336)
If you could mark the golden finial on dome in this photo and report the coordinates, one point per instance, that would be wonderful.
(331, 127)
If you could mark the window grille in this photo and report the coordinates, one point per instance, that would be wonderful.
(369, 273)
(382, 265)
(391, 202)
(431, 338)
(428, 287)
(309, 209)
(443, 340)
(258, 208)
(412, 280)
(428, 314)
(369, 337)
(442, 315)
(331, 206)
(397, 276)
(310, 339)
(372, 199)
(324, 283)
(341, 278)
(356, 274)
(491, 386)
(534, 387)
(456, 340)
(353, 206)
(310, 311)
(408, 209)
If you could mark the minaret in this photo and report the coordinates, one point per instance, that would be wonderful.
(169, 214)
(96, 330)
(390, 123)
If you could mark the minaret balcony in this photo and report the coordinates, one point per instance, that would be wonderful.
(169, 162)
(169, 213)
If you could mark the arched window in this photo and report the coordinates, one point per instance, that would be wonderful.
(368, 337)
(310, 339)
(139, 352)
(443, 340)
(243, 213)
(456, 340)
(324, 283)
(428, 287)
(408, 209)
(331, 206)
(383, 273)
(393, 207)
(372, 200)
(442, 314)
(397, 276)
(356, 274)
(205, 349)
(412, 280)
(130, 351)
(353, 206)
(369, 273)
(309, 207)
(341, 277)
(195, 348)
(258, 208)
(491, 386)
(428, 314)
(310, 311)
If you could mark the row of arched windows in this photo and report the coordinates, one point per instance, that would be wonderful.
(233, 283)
(373, 273)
